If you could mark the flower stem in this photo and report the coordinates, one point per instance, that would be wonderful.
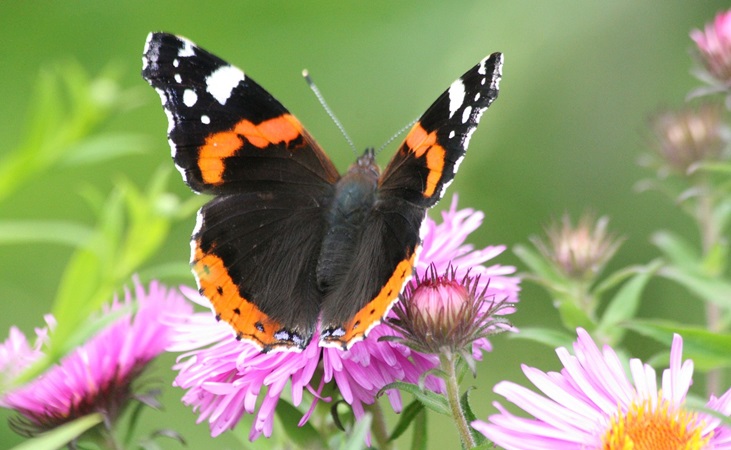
(104, 438)
(449, 366)
(710, 236)
(379, 427)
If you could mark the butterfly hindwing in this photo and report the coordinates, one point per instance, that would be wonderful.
(254, 259)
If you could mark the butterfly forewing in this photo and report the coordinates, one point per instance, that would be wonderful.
(227, 133)
(429, 157)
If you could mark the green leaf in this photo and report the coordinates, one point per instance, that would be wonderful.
(677, 250)
(713, 166)
(305, 436)
(716, 259)
(431, 400)
(335, 414)
(615, 279)
(178, 270)
(44, 231)
(105, 147)
(572, 316)
(67, 106)
(722, 215)
(418, 439)
(407, 416)
(709, 289)
(538, 265)
(708, 350)
(86, 283)
(625, 304)
(548, 337)
(464, 403)
(61, 435)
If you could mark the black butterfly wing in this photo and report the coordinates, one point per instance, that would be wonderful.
(429, 157)
(255, 244)
(414, 180)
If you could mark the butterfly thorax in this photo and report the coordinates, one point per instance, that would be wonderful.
(355, 194)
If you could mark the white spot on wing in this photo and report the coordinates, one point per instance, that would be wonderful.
(205, 119)
(189, 98)
(457, 163)
(198, 223)
(178, 78)
(187, 50)
(147, 43)
(477, 96)
(482, 70)
(183, 174)
(173, 149)
(466, 114)
(451, 134)
(468, 136)
(221, 83)
(456, 96)
(176, 62)
(168, 113)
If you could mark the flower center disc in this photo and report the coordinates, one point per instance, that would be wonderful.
(643, 427)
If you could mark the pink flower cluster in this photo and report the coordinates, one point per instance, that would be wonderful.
(714, 45)
(97, 376)
(225, 378)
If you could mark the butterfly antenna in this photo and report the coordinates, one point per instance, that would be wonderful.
(329, 112)
(398, 133)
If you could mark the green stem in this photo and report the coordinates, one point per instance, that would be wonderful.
(710, 236)
(104, 438)
(449, 366)
(379, 428)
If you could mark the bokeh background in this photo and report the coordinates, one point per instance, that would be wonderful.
(580, 81)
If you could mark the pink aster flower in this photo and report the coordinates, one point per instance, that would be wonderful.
(226, 378)
(95, 377)
(714, 45)
(592, 403)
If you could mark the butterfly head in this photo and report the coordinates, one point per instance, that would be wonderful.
(366, 164)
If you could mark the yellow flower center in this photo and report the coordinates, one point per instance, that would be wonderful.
(643, 427)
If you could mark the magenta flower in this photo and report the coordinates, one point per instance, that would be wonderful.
(97, 376)
(714, 45)
(592, 403)
(225, 378)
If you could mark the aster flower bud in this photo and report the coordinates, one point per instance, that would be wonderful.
(440, 313)
(689, 136)
(579, 252)
(714, 47)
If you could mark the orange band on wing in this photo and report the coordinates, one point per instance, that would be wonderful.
(372, 313)
(224, 144)
(424, 144)
(248, 321)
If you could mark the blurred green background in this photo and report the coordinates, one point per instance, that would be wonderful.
(580, 81)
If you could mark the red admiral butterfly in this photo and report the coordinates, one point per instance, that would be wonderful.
(286, 240)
